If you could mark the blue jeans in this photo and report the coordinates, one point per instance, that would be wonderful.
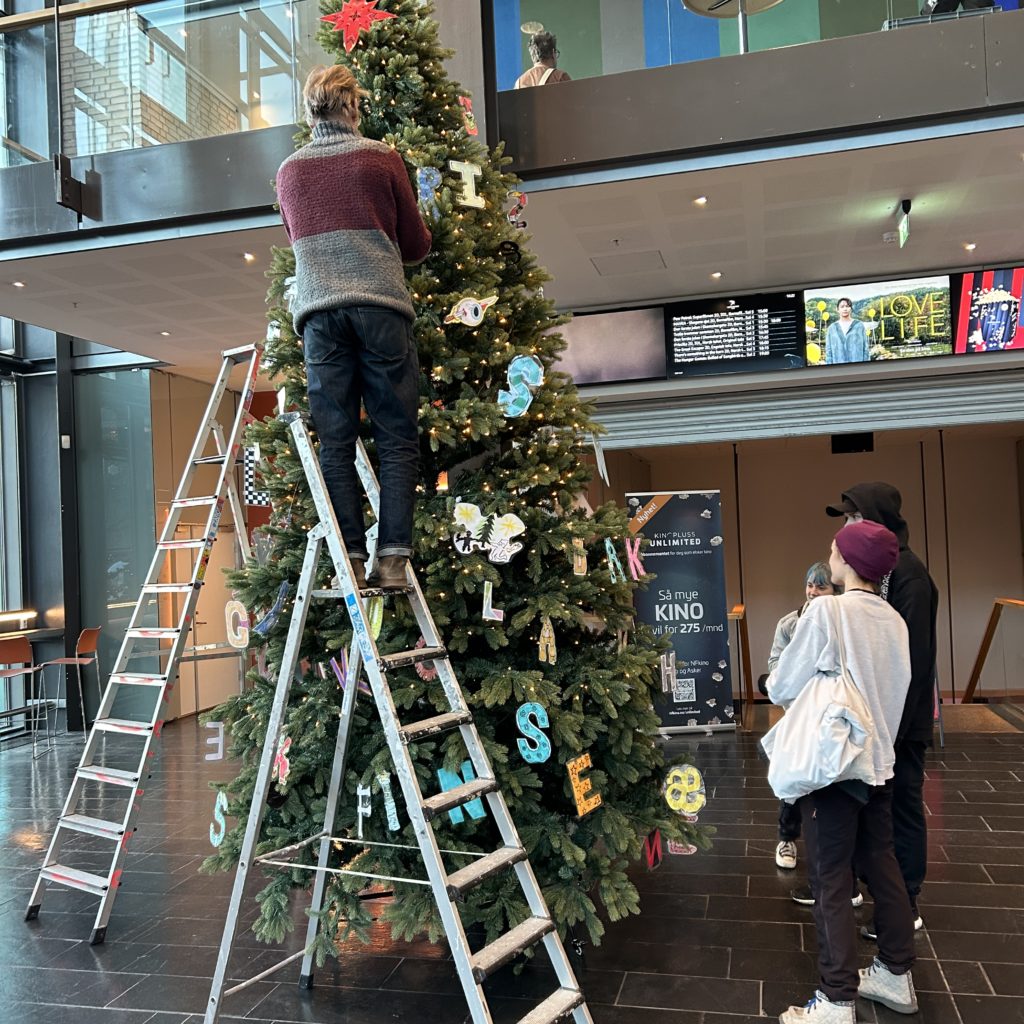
(366, 353)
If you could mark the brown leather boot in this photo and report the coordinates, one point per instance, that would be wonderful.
(390, 572)
(358, 574)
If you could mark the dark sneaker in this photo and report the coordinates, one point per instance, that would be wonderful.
(390, 573)
(868, 931)
(805, 897)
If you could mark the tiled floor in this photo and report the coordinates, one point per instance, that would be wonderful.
(719, 942)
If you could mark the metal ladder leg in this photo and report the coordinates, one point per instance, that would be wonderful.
(289, 661)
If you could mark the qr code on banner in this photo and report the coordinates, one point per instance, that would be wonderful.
(684, 691)
(251, 495)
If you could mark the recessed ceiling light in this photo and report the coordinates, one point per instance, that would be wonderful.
(255, 95)
(701, 201)
(970, 246)
(716, 276)
(165, 334)
(18, 284)
(531, 28)
(248, 257)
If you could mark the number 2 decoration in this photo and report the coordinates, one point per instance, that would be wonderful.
(524, 373)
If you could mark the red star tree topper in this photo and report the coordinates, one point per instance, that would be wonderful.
(355, 17)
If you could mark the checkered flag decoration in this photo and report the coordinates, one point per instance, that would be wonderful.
(252, 495)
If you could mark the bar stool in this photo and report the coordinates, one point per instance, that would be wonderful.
(86, 653)
(17, 651)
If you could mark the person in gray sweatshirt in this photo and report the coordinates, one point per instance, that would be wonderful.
(853, 819)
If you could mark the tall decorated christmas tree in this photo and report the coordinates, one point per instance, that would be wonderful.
(525, 581)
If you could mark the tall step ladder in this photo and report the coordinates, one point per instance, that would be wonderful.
(162, 646)
(449, 886)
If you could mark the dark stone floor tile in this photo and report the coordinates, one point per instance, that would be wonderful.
(48, 1013)
(679, 957)
(1002, 874)
(964, 977)
(985, 854)
(644, 1015)
(678, 905)
(663, 881)
(739, 908)
(287, 1003)
(185, 995)
(772, 964)
(753, 935)
(974, 919)
(69, 988)
(990, 1009)
(1002, 949)
(946, 872)
(936, 1008)
(686, 993)
(1006, 979)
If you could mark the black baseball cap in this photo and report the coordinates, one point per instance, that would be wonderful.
(844, 508)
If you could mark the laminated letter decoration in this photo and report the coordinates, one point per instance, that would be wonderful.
(469, 172)
(220, 808)
(238, 636)
(684, 790)
(579, 557)
(540, 749)
(586, 799)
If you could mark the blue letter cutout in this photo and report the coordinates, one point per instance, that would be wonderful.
(449, 780)
(542, 751)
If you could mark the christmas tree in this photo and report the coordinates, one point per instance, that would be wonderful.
(500, 525)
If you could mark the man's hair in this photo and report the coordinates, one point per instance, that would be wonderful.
(331, 91)
(545, 44)
(849, 302)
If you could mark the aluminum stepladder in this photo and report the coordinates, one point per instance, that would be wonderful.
(448, 888)
(170, 642)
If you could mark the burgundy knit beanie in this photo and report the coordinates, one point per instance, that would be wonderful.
(869, 549)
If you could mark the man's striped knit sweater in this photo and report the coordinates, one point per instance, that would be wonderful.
(352, 219)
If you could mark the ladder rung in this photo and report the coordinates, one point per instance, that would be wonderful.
(559, 1004)
(510, 945)
(153, 633)
(137, 679)
(214, 460)
(435, 805)
(180, 545)
(434, 726)
(73, 879)
(206, 499)
(404, 658)
(465, 879)
(170, 588)
(365, 592)
(124, 725)
(93, 826)
(114, 776)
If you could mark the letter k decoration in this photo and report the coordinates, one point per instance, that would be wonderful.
(354, 18)
(281, 764)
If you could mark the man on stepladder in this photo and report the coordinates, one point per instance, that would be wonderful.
(351, 215)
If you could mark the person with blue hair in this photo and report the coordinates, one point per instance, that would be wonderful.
(817, 582)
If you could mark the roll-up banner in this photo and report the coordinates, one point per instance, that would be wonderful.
(686, 602)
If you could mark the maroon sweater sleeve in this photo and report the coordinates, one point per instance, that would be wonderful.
(283, 199)
(413, 237)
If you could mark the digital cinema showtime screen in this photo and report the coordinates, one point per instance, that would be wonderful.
(989, 319)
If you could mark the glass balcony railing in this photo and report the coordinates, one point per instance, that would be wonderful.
(605, 37)
(160, 72)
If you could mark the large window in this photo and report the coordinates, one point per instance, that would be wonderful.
(10, 518)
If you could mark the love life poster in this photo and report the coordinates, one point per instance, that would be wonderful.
(687, 604)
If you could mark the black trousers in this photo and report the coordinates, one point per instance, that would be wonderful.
(909, 826)
(837, 830)
(789, 821)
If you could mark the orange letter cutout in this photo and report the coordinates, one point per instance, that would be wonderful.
(581, 787)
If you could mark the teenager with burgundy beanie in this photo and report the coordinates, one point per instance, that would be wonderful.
(910, 590)
(350, 213)
(852, 820)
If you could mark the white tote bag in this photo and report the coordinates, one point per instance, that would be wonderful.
(826, 735)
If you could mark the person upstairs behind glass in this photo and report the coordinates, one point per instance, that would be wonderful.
(951, 6)
(817, 583)
(544, 54)
(350, 213)
(847, 339)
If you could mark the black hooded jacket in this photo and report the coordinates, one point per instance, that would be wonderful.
(912, 592)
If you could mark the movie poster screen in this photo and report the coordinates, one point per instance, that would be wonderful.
(990, 303)
(862, 323)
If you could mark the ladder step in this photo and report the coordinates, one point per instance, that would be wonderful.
(153, 633)
(559, 1004)
(450, 798)
(465, 879)
(206, 499)
(137, 679)
(238, 355)
(73, 879)
(509, 946)
(214, 460)
(337, 594)
(114, 776)
(170, 588)
(179, 545)
(405, 658)
(95, 826)
(434, 726)
(124, 725)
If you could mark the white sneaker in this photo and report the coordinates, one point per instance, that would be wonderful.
(785, 855)
(820, 1010)
(880, 985)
